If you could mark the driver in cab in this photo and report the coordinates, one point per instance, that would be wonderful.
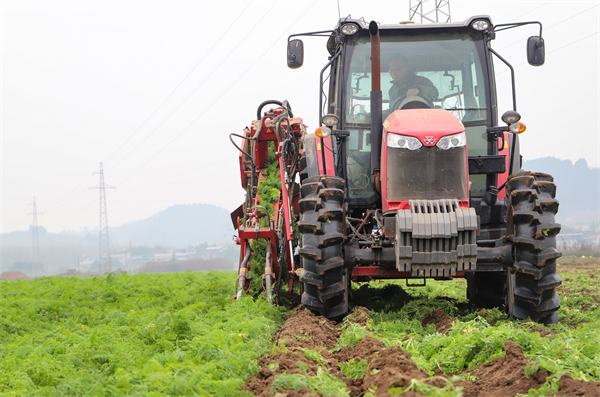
(405, 83)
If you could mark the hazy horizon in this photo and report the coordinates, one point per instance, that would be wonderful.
(152, 90)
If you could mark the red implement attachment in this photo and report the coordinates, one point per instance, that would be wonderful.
(254, 221)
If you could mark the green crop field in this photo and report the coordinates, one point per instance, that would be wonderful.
(143, 335)
(181, 334)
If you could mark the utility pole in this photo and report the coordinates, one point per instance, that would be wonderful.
(35, 252)
(430, 10)
(104, 261)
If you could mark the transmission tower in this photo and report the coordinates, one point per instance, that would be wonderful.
(35, 240)
(430, 10)
(104, 261)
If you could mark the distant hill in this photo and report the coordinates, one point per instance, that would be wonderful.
(578, 188)
(179, 226)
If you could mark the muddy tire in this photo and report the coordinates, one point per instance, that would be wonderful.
(323, 275)
(532, 280)
(486, 289)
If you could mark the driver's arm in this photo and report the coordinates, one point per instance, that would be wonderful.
(426, 88)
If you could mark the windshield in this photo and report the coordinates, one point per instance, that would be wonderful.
(443, 69)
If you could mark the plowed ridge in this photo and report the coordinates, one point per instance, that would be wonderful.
(316, 356)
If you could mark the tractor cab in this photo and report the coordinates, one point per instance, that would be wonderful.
(447, 68)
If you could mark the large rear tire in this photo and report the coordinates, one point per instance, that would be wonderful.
(532, 280)
(323, 275)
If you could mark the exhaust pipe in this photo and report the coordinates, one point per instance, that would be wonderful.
(376, 104)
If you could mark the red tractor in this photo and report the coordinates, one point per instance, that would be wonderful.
(409, 176)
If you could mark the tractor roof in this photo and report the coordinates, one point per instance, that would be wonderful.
(411, 25)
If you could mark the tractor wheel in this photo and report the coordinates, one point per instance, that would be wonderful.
(486, 289)
(532, 280)
(323, 274)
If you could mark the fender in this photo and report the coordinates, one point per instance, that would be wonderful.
(316, 150)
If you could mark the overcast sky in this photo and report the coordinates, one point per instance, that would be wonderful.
(152, 90)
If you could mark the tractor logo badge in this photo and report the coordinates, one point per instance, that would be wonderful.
(429, 140)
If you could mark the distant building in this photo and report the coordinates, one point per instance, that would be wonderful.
(211, 252)
(567, 242)
(140, 260)
(592, 241)
(121, 260)
(16, 275)
(87, 261)
(163, 257)
(184, 254)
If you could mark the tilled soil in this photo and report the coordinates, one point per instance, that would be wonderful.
(503, 376)
(443, 323)
(393, 367)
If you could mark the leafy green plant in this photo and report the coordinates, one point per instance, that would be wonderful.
(313, 354)
(167, 334)
(323, 382)
(352, 334)
(354, 369)
(420, 386)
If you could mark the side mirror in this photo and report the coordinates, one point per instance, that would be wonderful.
(535, 51)
(295, 54)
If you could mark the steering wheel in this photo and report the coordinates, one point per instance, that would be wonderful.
(411, 102)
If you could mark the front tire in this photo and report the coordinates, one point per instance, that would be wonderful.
(321, 234)
(532, 280)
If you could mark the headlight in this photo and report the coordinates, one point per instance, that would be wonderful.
(349, 29)
(452, 141)
(330, 120)
(511, 117)
(480, 24)
(403, 142)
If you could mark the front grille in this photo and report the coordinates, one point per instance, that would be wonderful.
(428, 173)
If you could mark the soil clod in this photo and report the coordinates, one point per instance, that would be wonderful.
(443, 323)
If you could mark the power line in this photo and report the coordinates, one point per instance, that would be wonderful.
(169, 96)
(219, 97)
(197, 88)
(113, 94)
(55, 205)
(530, 11)
(86, 206)
(203, 176)
(557, 49)
(576, 41)
(551, 26)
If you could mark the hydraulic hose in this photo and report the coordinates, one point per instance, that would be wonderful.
(241, 280)
(239, 148)
(265, 103)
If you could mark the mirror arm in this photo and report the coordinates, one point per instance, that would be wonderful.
(506, 26)
(333, 58)
(322, 33)
(512, 75)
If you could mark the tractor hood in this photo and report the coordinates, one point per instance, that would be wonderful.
(427, 125)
